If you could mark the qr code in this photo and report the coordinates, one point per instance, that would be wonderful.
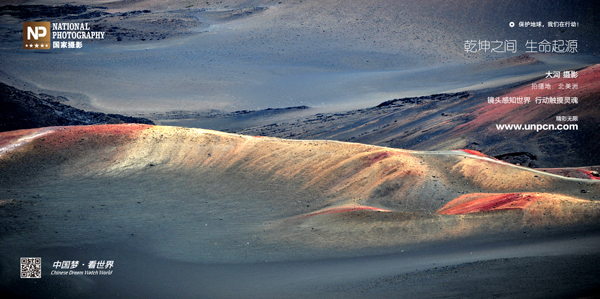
(31, 267)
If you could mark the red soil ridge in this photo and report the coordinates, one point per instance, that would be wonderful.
(9, 137)
(99, 133)
(55, 140)
(474, 152)
(378, 157)
(343, 209)
(15, 139)
(483, 202)
(590, 175)
(574, 172)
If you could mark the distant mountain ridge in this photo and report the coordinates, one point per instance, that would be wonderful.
(26, 110)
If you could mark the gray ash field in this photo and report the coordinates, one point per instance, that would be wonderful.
(300, 149)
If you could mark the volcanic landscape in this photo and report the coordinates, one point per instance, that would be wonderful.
(299, 149)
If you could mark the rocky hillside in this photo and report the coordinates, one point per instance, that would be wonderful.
(26, 110)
